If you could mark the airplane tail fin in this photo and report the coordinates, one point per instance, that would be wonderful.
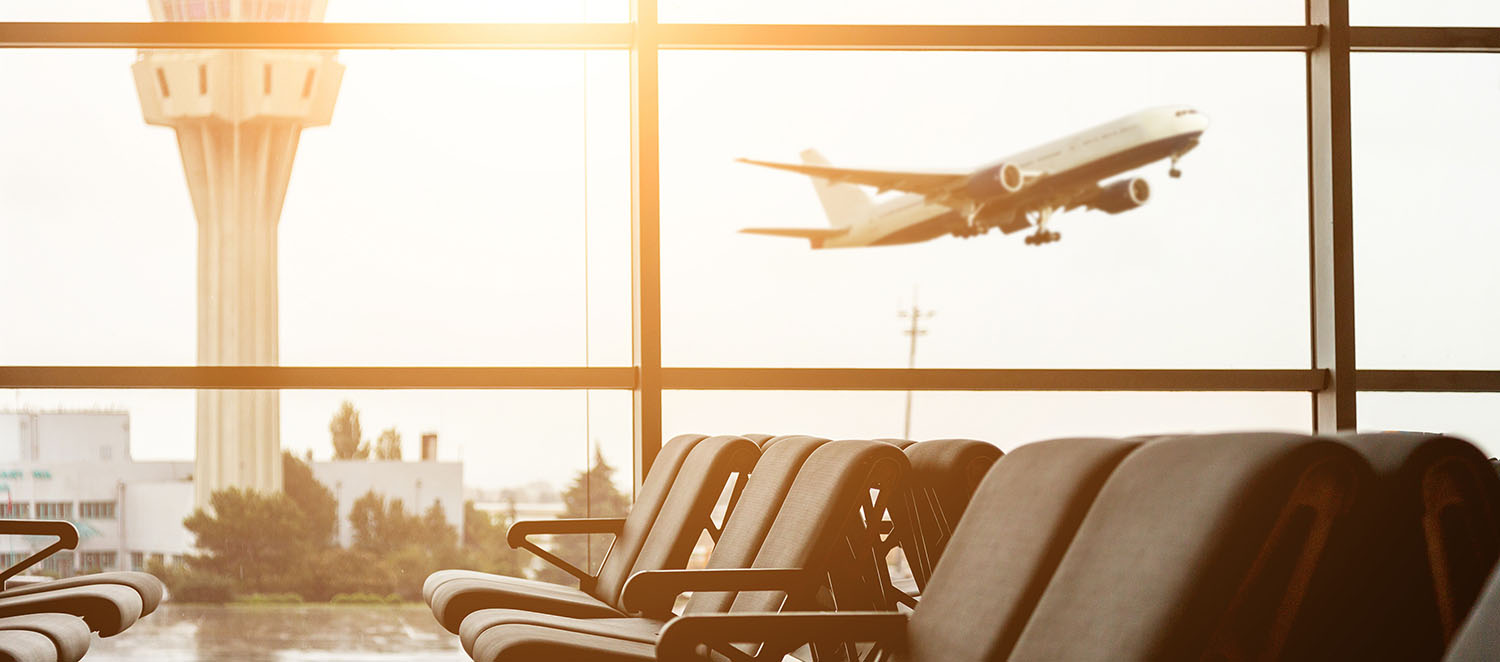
(844, 204)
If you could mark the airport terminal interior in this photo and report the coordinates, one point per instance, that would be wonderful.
(738, 330)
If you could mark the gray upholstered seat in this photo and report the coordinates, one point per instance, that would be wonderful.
(1478, 639)
(1193, 548)
(149, 587)
(819, 514)
(743, 534)
(68, 634)
(1204, 547)
(106, 608)
(945, 473)
(1429, 546)
(675, 508)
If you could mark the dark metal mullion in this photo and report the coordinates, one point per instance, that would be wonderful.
(1429, 381)
(989, 37)
(856, 379)
(311, 377)
(1424, 40)
(303, 36)
(645, 233)
(1331, 222)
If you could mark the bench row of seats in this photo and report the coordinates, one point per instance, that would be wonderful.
(1236, 546)
(53, 621)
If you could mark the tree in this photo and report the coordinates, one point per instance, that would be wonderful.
(591, 494)
(348, 442)
(484, 545)
(256, 540)
(388, 445)
(314, 499)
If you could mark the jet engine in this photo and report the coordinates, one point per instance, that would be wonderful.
(1123, 195)
(995, 182)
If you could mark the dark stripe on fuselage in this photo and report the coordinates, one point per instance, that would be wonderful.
(1087, 173)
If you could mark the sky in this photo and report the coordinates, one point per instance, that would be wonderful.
(472, 208)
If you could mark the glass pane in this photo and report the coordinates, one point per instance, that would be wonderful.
(1467, 415)
(1480, 13)
(1425, 140)
(337, 11)
(1211, 273)
(460, 207)
(126, 458)
(1005, 419)
(969, 12)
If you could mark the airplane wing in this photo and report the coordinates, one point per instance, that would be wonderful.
(800, 233)
(934, 185)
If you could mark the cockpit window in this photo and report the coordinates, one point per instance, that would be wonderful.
(1189, 111)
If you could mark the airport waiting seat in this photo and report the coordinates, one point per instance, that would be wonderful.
(833, 497)
(760, 439)
(744, 532)
(108, 602)
(26, 646)
(1193, 548)
(1432, 540)
(1478, 639)
(944, 475)
(675, 508)
(68, 635)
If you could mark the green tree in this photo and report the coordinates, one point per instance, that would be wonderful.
(348, 438)
(256, 540)
(484, 543)
(591, 494)
(388, 445)
(314, 499)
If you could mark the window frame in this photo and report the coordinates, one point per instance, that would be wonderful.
(1326, 38)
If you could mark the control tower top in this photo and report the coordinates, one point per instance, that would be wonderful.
(271, 11)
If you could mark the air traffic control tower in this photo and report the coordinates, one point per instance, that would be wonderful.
(238, 115)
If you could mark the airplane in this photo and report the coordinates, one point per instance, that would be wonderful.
(1012, 194)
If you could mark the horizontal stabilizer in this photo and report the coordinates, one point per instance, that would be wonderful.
(798, 233)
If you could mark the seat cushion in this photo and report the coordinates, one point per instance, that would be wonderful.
(1479, 638)
(145, 584)
(107, 608)
(26, 646)
(456, 598)
(532, 643)
(643, 630)
(69, 634)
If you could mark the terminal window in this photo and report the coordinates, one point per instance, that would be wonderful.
(97, 509)
(54, 510)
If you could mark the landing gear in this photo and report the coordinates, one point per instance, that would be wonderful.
(1174, 172)
(1042, 234)
(1042, 237)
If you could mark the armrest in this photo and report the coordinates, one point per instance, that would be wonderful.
(66, 533)
(652, 592)
(517, 537)
(782, 633)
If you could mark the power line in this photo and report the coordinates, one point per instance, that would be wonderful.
(916, 315)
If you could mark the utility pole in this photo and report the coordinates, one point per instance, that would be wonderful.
(916, 315)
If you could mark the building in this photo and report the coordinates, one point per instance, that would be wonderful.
(76, 466)
(238, 116)
(417, 484)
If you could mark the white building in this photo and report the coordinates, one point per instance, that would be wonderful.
(76, 466)
(417, 484)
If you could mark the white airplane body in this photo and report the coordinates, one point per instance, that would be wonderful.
(1011, 194)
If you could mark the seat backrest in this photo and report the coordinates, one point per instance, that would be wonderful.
(755, 512)
(829, 494)
(944, 475)
(1001, 556)
(685, 513)
(1478, 640)
(759, 438)
(1429, 546)
(615, 568)
(1203, 547)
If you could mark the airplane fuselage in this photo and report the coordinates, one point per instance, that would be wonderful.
(1070, 164)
